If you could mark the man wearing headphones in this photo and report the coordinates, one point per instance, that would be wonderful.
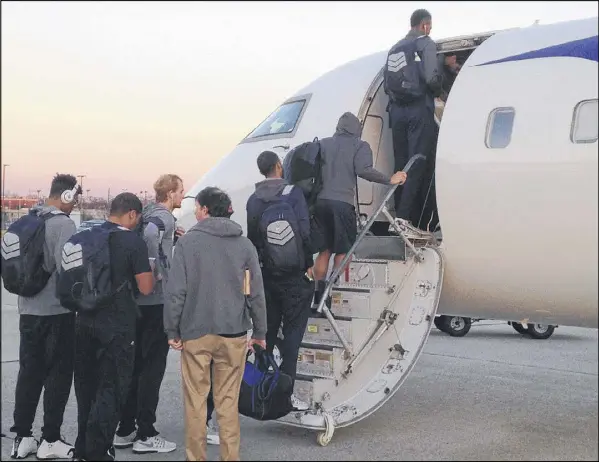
(46, 337)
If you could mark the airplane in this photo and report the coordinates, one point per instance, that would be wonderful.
(516, 191)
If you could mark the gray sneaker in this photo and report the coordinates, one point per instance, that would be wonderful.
(122, 442)
(154, 444)
(212, 435)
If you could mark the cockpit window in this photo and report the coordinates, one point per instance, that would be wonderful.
(283, 120)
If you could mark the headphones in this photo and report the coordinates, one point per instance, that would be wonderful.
(68, 196)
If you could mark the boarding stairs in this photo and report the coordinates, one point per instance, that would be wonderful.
(356, 355)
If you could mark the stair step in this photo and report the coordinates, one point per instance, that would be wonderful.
(317, 346)
(326, 363)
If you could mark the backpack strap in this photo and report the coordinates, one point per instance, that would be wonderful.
(51, 214)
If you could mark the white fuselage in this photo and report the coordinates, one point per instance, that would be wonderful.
(519, 222)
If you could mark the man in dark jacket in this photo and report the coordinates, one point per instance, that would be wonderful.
(288, 293)
(345, 157)
(412, 81)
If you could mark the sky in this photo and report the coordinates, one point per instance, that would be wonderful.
(122, 92)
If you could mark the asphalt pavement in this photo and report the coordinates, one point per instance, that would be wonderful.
(492, 395)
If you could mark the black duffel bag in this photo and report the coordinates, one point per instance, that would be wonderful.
(265, 391)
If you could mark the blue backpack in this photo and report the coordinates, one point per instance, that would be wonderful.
(23, 270)
(265, 392)
(85, 283)
(282, 249)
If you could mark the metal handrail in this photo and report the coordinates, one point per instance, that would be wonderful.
(322, 304)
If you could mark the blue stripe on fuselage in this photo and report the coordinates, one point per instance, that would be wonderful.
(583, 49)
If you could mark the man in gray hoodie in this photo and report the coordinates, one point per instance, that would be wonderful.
(345, 157)
(47, 336)
(158, 227)
(214, 295)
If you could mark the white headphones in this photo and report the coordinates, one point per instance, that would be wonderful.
(68, 196)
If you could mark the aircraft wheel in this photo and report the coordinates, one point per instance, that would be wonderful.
(457, 326)
(325, 437)
(540, 331)
(439, 324)
(520, 328)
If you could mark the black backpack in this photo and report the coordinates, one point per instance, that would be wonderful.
(402, 72)
(303, 167)
(282, 247)
(265, 394)
(23, 270)
(85, 282)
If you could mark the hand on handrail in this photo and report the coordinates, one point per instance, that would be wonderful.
(399, 178)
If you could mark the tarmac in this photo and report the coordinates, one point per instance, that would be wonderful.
(491, 395)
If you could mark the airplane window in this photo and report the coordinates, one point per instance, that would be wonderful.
(499, 128)
(283, 120)
(585, 122)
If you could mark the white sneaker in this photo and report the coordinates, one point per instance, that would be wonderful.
(23, 447)
(298, 404)
(212, 434)
(122, 442)
(153, 444)
(56, 450)
(409, 230)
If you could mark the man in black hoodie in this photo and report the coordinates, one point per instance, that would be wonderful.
(288, 291)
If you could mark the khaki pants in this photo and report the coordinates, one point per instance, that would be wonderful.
(229, 356)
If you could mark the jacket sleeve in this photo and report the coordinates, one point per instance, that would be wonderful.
(430, 66)
(300, 208)
(256, 299)
(175, 295)
(252, 222)
(363, 165)
(152, 239)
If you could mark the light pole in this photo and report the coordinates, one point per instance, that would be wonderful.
(81, 201)
(3, 191)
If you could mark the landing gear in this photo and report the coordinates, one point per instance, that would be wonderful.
(456, 326)
(325, 437)
(439, 323)
(521, 329)
(540, 331)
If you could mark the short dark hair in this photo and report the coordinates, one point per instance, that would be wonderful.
(217, 201)
(63, 182)
(418, 16)
(124, 203)
(267, 161)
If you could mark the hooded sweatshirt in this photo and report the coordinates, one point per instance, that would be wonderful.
(204, 293)
(59, 230)
(153, 237)
(268, 191)
(346, 157)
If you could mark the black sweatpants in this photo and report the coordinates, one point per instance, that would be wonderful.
(104, 361)
(288, 300)
(45, 360)
(413, 129)
(151, 353)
